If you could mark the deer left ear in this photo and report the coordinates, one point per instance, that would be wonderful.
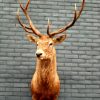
(31, 38)
(59, 39)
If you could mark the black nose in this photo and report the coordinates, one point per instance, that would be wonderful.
(38, 54)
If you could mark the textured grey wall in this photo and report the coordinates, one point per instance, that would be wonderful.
(78, 57)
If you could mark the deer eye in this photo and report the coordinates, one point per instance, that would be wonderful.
(50, 44)
(37, 44)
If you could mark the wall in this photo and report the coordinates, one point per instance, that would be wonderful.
(78, 57)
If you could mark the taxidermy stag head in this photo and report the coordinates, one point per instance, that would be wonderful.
(45, 84)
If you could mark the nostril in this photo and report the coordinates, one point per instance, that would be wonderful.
(38, 54)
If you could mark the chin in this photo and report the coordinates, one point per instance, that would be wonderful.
(44, 58)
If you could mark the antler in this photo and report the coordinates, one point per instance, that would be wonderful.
(48, 27)
(76, 16)
(31, 28)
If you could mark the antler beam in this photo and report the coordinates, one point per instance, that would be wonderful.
(70, 24)
(31, 28)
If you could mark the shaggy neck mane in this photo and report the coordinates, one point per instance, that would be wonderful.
(46, 70)
(49, 64)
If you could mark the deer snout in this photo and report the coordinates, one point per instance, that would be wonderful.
(39, 53)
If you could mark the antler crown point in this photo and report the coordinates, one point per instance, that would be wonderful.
(75, 7)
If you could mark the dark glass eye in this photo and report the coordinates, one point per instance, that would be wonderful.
(51, 44)
(37, 44)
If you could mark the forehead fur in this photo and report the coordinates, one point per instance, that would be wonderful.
(45, 39)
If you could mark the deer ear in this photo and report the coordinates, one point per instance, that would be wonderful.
(59, 39)
(31, 38)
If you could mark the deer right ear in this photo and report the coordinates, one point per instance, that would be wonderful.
(59, 39)
(31, 38)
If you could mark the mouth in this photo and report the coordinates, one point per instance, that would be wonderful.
(42, 58)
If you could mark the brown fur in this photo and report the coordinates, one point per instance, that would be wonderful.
(45, 84)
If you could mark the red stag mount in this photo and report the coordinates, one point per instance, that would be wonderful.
(45, 84)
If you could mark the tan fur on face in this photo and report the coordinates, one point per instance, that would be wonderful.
(44, 46)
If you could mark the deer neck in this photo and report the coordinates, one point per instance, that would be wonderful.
(48, 64)
(46, 71)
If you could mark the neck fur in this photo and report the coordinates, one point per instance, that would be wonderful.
(46, 70)
(49, 64)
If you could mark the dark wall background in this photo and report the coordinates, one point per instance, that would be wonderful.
(78, 57)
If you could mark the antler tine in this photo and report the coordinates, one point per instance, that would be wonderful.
(48, 27)
(27, 5)
(76, 16)
(27, 29)
(81, 9)
(32, 27)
